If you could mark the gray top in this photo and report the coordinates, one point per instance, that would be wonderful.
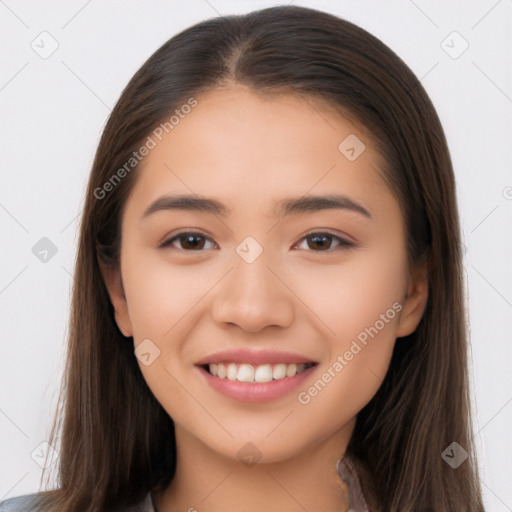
(29, 503)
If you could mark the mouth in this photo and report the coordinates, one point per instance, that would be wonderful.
(246, 372)
(255, 376)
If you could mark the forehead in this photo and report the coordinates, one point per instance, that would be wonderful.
(239, 144)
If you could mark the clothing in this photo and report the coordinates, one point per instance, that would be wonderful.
(29, 503)
(345, 470)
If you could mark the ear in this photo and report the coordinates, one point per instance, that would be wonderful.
(415, 302)
(112, 277)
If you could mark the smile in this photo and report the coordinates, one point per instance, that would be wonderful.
(246, 372)
(248, 375)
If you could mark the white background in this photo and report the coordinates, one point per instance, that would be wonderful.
(52, 113)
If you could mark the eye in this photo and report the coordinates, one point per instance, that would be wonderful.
(188, 241)
(323, 242)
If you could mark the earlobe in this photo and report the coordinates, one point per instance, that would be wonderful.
(112, 278)
(414, 303)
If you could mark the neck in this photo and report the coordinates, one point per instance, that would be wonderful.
(210, 482)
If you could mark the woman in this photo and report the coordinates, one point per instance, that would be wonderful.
(268, 301)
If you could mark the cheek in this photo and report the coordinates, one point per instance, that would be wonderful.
(160, 294)
(360, 304)
(163, 300)
(352, 295)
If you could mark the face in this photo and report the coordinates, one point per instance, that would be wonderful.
(264, 307)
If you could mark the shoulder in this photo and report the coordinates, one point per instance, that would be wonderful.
(25, 503)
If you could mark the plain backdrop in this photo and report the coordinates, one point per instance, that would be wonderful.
(54, 107)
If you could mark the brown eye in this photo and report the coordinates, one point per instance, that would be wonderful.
(191, 241)
(323, 242)
(187, 242)
(319, 242)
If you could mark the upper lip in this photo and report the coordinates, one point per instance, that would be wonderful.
(254, 357)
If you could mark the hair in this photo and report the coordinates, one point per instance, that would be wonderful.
(117, 442)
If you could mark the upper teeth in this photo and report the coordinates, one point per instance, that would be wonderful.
(249, 373)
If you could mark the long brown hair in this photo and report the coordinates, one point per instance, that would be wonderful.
(117, 442)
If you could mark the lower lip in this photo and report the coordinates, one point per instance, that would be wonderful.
(256, 392)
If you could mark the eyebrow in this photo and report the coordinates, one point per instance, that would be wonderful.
(284, 207)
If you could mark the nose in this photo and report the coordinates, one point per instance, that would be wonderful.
(253, 297)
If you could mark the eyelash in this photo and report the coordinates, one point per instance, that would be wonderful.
(342, 243)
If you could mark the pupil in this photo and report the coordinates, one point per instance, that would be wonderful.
(191, 241)
(321, 240)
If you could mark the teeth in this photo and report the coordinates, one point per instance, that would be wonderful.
(221, 371)
(291, 370)
(232, 371)
(262, 373)
(245, 373)
(279, 371)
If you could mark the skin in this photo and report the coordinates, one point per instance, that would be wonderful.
(248, 152)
